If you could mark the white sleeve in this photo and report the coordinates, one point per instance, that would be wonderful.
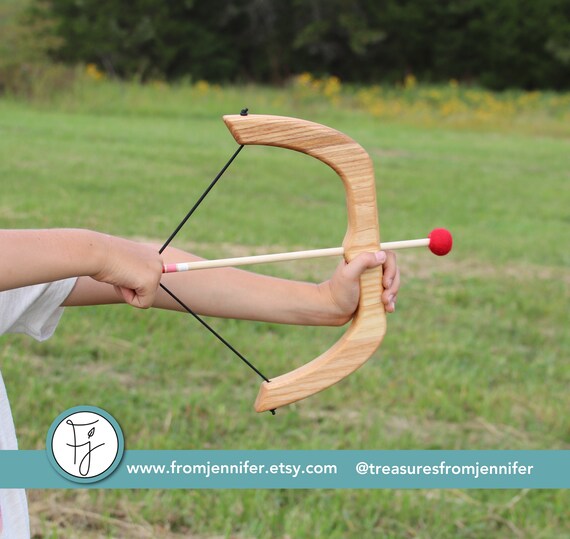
(34, 310)
(14, 521)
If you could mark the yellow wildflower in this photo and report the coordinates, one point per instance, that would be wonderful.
(202, 86)
(92, 71)
(410, 82)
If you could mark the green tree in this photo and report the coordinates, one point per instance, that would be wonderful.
(148, 39)
(500, 43)
(24, 45)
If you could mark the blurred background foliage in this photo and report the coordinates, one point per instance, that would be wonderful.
(497, 44)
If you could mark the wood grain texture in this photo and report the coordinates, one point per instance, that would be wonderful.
(353, 165)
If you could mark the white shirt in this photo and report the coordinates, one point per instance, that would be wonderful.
(35, 311)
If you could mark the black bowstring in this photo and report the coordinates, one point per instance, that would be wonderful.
(213, 331)
(178, 300)
(199, 201)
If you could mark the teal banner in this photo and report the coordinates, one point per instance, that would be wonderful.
(299, 469)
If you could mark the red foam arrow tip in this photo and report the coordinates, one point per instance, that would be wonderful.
(440, 241)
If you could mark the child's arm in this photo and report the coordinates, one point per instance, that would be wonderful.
(38, 256)
(233, 293)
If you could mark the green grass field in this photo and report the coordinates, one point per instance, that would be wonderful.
(476, 356)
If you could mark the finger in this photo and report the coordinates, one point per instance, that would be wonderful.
(390, 269)
(394, 284)
(127, 294)
(390, 295)
(355, 268)
(143, 299)
(136, 298)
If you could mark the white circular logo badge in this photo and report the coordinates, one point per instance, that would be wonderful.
(85, 444)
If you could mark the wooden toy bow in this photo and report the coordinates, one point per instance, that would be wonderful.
(349, 160)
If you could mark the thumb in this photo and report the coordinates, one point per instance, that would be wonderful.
(355, 268)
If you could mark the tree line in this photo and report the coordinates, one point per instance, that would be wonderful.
(495, 43)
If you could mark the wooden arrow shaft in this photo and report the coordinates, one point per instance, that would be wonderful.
(282, 257)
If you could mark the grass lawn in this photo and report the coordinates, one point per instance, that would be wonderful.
(476, 356)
